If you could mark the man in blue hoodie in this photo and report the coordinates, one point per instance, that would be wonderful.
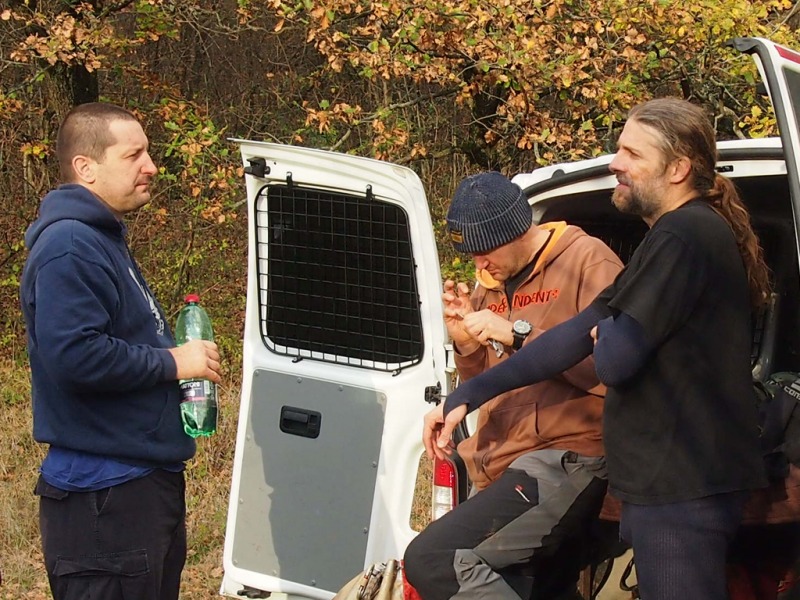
(105, 373)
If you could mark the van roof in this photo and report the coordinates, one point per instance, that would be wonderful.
(737, 158)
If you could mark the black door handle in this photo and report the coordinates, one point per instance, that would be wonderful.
(299, 421)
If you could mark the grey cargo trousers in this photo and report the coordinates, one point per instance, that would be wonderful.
(522, 537)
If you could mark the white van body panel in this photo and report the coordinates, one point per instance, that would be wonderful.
(397, 391)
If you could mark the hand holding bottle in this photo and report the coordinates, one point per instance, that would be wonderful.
(197, 358)
(199, 373)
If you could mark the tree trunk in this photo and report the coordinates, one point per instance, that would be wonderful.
(83, 84)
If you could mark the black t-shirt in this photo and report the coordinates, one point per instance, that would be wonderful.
(685, 426)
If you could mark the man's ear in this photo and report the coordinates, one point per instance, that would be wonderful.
(84, 168)
(680, 169)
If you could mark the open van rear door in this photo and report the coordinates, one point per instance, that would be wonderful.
(779, 67)
(343, 342)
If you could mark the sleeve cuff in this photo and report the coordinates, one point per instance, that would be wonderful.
(168, 365)
(472, 364)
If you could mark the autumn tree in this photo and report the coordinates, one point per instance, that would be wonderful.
(446, 86)
(531, 82)
(55, 55)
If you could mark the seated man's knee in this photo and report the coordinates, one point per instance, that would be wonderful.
(429, 567)
(415, 560)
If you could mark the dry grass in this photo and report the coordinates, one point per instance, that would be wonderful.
(22, 568)
(423, 495)
(208, 479)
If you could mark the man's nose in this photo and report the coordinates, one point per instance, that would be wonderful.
(615, 166)
(480, 261)
(149, 167)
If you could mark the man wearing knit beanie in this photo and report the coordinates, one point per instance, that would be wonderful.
(519, 537)
(487, 211)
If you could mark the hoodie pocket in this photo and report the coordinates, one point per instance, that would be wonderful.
(507, 431)
(165, 411)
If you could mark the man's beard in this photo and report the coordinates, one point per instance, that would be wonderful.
(634, 202)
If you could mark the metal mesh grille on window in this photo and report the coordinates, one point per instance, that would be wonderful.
(336, 278)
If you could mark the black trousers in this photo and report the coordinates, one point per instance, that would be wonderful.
(126, 542)
(520, 538)
(680, 549)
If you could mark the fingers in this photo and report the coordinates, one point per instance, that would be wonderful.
(428, 436)
(428, 433)
(211, 350)
(458, 295)
(212, 361)
(197, 359)
(432, 422)
(444, 445)
(445, 435)
(452, 313)
(485, 325)
(444, 441)
(214, 371)
(478, 325)
(437, 432)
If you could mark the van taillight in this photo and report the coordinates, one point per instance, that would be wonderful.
(445, 487)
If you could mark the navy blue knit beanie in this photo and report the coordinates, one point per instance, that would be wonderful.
(487, 211)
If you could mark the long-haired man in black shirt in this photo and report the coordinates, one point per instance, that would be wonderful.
(671, 340)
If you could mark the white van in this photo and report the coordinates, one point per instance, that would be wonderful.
(345, 346)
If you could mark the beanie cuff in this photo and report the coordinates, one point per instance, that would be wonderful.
(487, 211)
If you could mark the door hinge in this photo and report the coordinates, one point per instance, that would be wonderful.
(258, 167)
(251, 592)
(433, 394)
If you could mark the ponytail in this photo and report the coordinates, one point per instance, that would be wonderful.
(724, 199)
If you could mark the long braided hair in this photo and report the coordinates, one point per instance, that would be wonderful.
(685, 130)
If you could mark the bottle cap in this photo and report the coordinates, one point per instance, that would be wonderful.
(192, 298)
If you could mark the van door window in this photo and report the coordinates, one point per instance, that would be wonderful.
(336, 278)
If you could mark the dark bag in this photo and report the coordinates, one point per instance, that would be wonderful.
(779, 421)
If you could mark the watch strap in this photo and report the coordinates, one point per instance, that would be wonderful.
(518, 339)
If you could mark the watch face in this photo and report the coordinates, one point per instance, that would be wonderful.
(522, 327)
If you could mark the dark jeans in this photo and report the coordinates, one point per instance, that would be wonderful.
(127, 542)
(680, 549)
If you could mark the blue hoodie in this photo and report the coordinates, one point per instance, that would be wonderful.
(103, 380)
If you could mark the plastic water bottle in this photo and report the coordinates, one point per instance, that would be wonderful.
(199, 396)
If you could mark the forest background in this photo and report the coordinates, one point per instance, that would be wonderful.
(446, 87)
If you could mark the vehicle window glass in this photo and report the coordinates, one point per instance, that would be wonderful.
(336, 278)
(793, 83)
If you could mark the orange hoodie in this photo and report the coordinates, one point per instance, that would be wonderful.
(564, 412)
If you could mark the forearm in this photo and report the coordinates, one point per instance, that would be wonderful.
(107, 364)
(79, 341)
(583, 375)
(548, 355)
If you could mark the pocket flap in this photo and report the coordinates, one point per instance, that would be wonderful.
(131, 563)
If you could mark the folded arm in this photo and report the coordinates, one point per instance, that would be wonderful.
(551, 353)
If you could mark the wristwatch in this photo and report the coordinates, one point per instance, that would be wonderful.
(521, 330)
